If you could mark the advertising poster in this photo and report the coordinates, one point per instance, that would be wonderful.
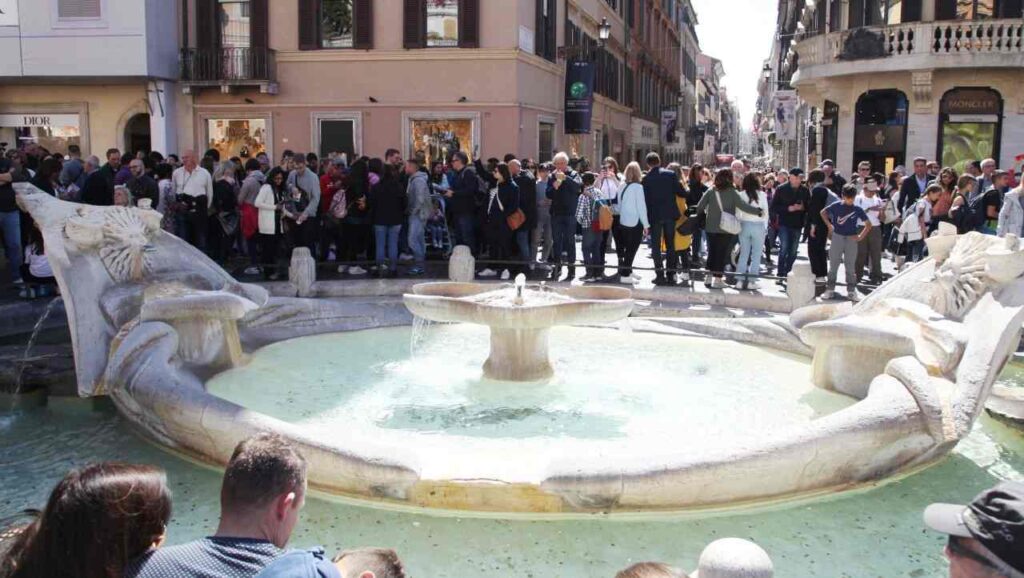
(669, 125)
(579, 96)
(784, 107)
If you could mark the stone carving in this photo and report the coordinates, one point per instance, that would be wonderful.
(462, 265)
(121, 235)
(863, 44)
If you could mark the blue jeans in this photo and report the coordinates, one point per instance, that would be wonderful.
(593, 257)
(563, 233)
(789, 246)
(11, 223)
(751, 247)
(465, 231)
(523, 243)
(387, 238)
(418, 240)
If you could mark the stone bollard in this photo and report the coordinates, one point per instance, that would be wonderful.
(800, 286)
(302, 271)
(734, 558)
(462, 265)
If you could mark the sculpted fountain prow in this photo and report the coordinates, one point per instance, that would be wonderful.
(520, 318)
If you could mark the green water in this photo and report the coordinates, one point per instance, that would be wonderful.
(872, 533)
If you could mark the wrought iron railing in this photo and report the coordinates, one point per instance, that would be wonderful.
(226, 65)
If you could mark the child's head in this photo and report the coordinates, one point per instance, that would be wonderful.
(849, 194)
(933, 192)
(589, 179)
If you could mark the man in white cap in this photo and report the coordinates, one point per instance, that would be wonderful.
(986, 537)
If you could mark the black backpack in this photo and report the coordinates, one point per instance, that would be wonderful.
(971, 215)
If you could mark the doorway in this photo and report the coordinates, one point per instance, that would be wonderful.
(136, 134)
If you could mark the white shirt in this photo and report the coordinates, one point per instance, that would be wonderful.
(194, 184)
(867, 203)
(38, 265)
(610, 188)
(762, 202)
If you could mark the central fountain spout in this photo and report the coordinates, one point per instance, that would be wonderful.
(520, 285)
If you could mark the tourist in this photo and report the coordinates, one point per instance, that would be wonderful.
(356, 227)
(224, 219)
(249, 214)
(35, 270)
(870, 249)
(264, 161)
(122, 196)
(193, 189)
(370, 563)
(100, 190)
(98, 518)
(167, 204)
(842, 219)
(465, 187)
(683, 238)
(651, 570)
(124, 171)
(609, 182)
(772, 232)
(992, 202)
(527, 184)
(914, 227)
(564, 188)
(313, 163)
(863, 175)
(985, 179)
(965, 204)
(752, 232)
(141, 185)
(387, 203)
(695, 190)
(419, 210)
(947, 179)
(332, 210)
(502, 202)
(286, 163)
(914, 185)
(47, 178)
(1011, 215)
(304, 180)
(632, 224)
(542, 242)
(817, 238)
(586, 213)
(790, 204)
(173, 160)
(720, 205)
(661, 187)
(264, 490)
(985, 536)
(270, 204)
(72, 172)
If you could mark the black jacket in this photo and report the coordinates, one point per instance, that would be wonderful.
(95, 191)
(465, 187)
(7, 195)
(145, 187)
(527, 184)
(910, 192)
(818, 202)
(785, 196)
(564, 198)
(387, 203)
(497, 213)
(661, 187)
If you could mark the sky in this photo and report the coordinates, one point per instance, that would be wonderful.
(739, 33)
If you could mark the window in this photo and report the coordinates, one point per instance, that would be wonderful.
(336, 24)
(545, 140)
(328, 24)
(971, 126)
(545, 33)
(55, 132)
(234, 23)
(79, 9)
(977, 9)
(442, 23)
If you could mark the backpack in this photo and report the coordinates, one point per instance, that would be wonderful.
(339, 205)
(301, 564)
(971, 215)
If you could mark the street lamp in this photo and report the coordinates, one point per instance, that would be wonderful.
(767, 72)
(604, 31)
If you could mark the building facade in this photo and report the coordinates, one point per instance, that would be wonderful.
(654, 74)
(94, 74)
(709, 113)
(892, 80)
(689, 50)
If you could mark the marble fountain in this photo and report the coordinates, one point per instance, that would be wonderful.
(198, 361)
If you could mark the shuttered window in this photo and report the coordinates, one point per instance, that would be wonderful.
(79, 9)
(335, 24)
(441, 23)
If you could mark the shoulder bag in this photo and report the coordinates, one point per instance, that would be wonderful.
(727, 222)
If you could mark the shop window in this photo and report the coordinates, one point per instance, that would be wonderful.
(234, 137)
(54, 132)
(880, 130)
(970, 126)
(437, 138)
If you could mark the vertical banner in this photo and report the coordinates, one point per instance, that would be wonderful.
(784, 107)
(579, 96)
(669, 124)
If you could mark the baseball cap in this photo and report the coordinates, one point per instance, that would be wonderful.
(827, 163)
(796, 172)
(995, 518)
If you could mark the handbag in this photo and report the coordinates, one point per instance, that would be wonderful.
(727, 222)
(516, 219)
(890, 214)
(339, 206)
(688, 227)
(229, 223)
(250, 220)
(605, 217)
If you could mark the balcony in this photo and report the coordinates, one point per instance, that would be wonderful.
(228, 69)
(912, 46)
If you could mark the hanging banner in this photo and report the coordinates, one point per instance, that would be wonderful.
(784, 104)
(579, 96)
(669, 124)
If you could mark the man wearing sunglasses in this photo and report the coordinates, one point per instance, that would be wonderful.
(985, 536)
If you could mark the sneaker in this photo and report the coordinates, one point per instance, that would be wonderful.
(19, 282)
(505, 275)
(753, 285)
(252, 270)
(405, 257)
(853, 296)
(416, 272)
(635, 276)
(821, 280)
(627, 280)
(342, 269)
(27, 293)
(487, 273)
(356, 270)
(718, 283)
(828, 295)
(684, 277)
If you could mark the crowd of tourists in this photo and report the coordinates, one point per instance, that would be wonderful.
(110, 520)
(375, 215)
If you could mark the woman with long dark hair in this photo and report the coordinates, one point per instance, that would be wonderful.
(501, 203)
(98, 518)
(47, 178)
(355, 228)
(695, 190)
(269, 202)
(720, 204)
(948, 178)
(752, 232)
(387, 211)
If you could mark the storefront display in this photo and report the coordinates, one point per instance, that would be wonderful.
(970, 126)
(243, 138)
(437, 139)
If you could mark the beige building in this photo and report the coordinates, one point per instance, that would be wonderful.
(424, 77)
(889, 80)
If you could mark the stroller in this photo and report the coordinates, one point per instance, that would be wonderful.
(438, 235)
